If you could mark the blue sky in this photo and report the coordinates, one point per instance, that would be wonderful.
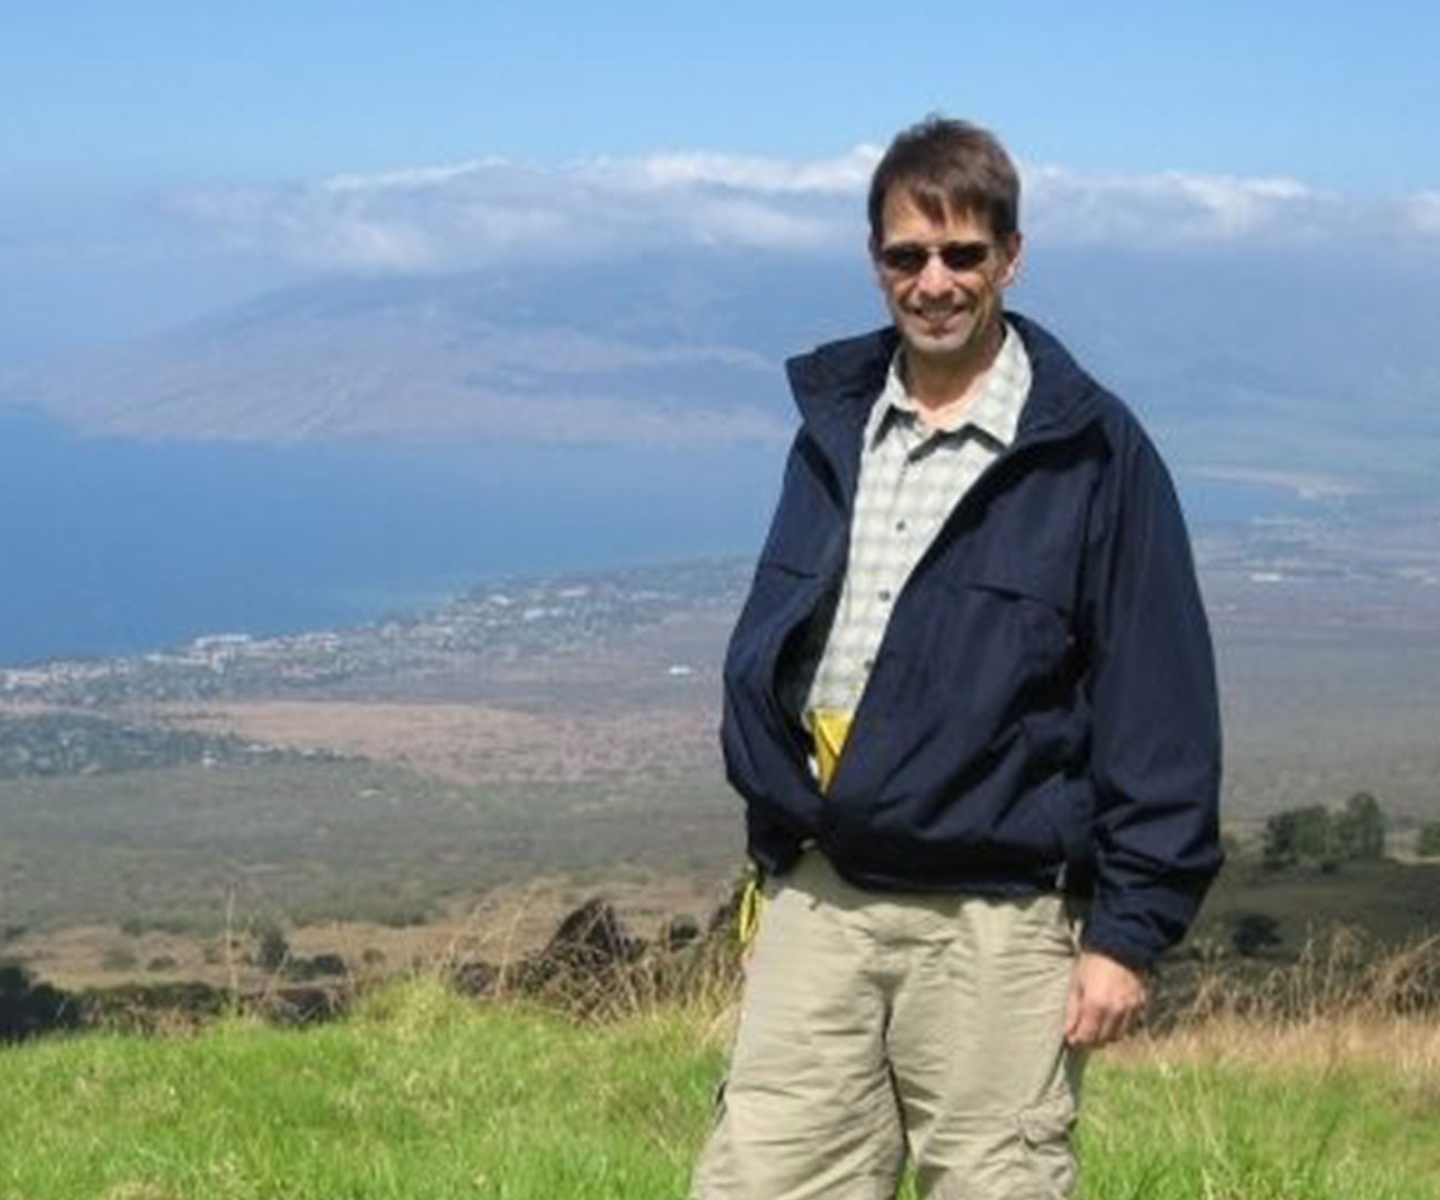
(99, 93)
(116, 117)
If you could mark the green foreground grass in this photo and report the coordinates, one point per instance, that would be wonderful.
(422, 1094)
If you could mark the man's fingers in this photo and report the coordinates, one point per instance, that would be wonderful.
(1072, 1007)
(1094, 1025)
(1105, 997)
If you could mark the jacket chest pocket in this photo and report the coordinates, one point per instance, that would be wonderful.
(1014, 618)
(1041, 630)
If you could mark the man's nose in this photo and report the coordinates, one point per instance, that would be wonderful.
(934, 276)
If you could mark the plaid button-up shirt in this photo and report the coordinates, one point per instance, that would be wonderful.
(911, 478)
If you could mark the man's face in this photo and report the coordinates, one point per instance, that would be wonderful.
(943, 310)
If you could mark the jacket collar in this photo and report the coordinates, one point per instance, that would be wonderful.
(836, 385)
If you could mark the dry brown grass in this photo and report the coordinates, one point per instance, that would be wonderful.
(1406, 1048)
(1344, 1004)
(501, 924)
(1343, 974)
(1345, 999)
(471, 742)
(598, 964)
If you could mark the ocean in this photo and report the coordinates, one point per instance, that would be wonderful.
(111, 546)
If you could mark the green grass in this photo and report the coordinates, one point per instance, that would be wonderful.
(424, 1095)
(1232, 1133)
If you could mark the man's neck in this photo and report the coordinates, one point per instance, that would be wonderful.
(944, 387)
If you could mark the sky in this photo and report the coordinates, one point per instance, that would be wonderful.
(163, 158)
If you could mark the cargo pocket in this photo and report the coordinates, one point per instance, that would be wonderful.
(1045, 1130)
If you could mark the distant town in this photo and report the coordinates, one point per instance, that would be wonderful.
(505, 622)
(1338, 568)
(1355, 566)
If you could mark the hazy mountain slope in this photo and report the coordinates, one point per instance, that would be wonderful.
(458, 357)
(1281, 367)
(1311, 369)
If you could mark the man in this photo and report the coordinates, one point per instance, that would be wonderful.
(970, 704)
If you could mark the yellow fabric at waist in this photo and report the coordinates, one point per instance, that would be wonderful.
(829, 728)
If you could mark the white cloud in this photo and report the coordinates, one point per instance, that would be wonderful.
(447, 218)
(472, 214)
(1424, 214)
(414, 179)
(844, 176)
(1174, 208)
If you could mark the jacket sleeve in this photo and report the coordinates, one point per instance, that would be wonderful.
(1155, 744)
(759, 734)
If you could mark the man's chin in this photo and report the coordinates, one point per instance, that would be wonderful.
(953, 344)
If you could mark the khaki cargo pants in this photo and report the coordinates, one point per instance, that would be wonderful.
(873, 1024)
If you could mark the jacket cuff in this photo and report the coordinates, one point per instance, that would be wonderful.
(1128, 953)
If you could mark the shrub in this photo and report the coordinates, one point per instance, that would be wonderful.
(1359, 831)
(1314, 834)
(272, 949)
(1427, 845)
(1253, 932)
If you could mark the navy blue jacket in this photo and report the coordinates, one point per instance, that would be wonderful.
(1042, 711)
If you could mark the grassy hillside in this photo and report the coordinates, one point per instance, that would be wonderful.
(1392, 902)
(423, 1094)
(326, 840)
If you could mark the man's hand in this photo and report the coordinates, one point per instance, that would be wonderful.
(1105, 997)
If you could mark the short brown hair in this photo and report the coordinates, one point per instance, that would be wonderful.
(948, 166)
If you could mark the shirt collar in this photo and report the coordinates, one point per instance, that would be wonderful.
(995, 411)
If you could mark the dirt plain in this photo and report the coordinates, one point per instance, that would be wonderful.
(1323, 696)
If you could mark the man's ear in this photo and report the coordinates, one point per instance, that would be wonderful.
(1011, 247)
(872, 248)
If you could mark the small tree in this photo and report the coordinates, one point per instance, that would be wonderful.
(1278, 846)
(1299, 833)
(1427, 845)
(1360, 829)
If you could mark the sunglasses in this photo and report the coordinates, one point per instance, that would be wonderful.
(910, 258)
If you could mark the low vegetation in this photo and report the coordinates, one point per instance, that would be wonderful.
(53, 744)
(1427, 842)
(308, 841)
(424, 1092)
(1315, 834)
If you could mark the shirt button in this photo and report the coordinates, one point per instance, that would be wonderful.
(900, 526)
(869, 664)
(885, 595)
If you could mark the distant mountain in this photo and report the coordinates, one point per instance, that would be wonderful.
(666, 359)
(1316, 371)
